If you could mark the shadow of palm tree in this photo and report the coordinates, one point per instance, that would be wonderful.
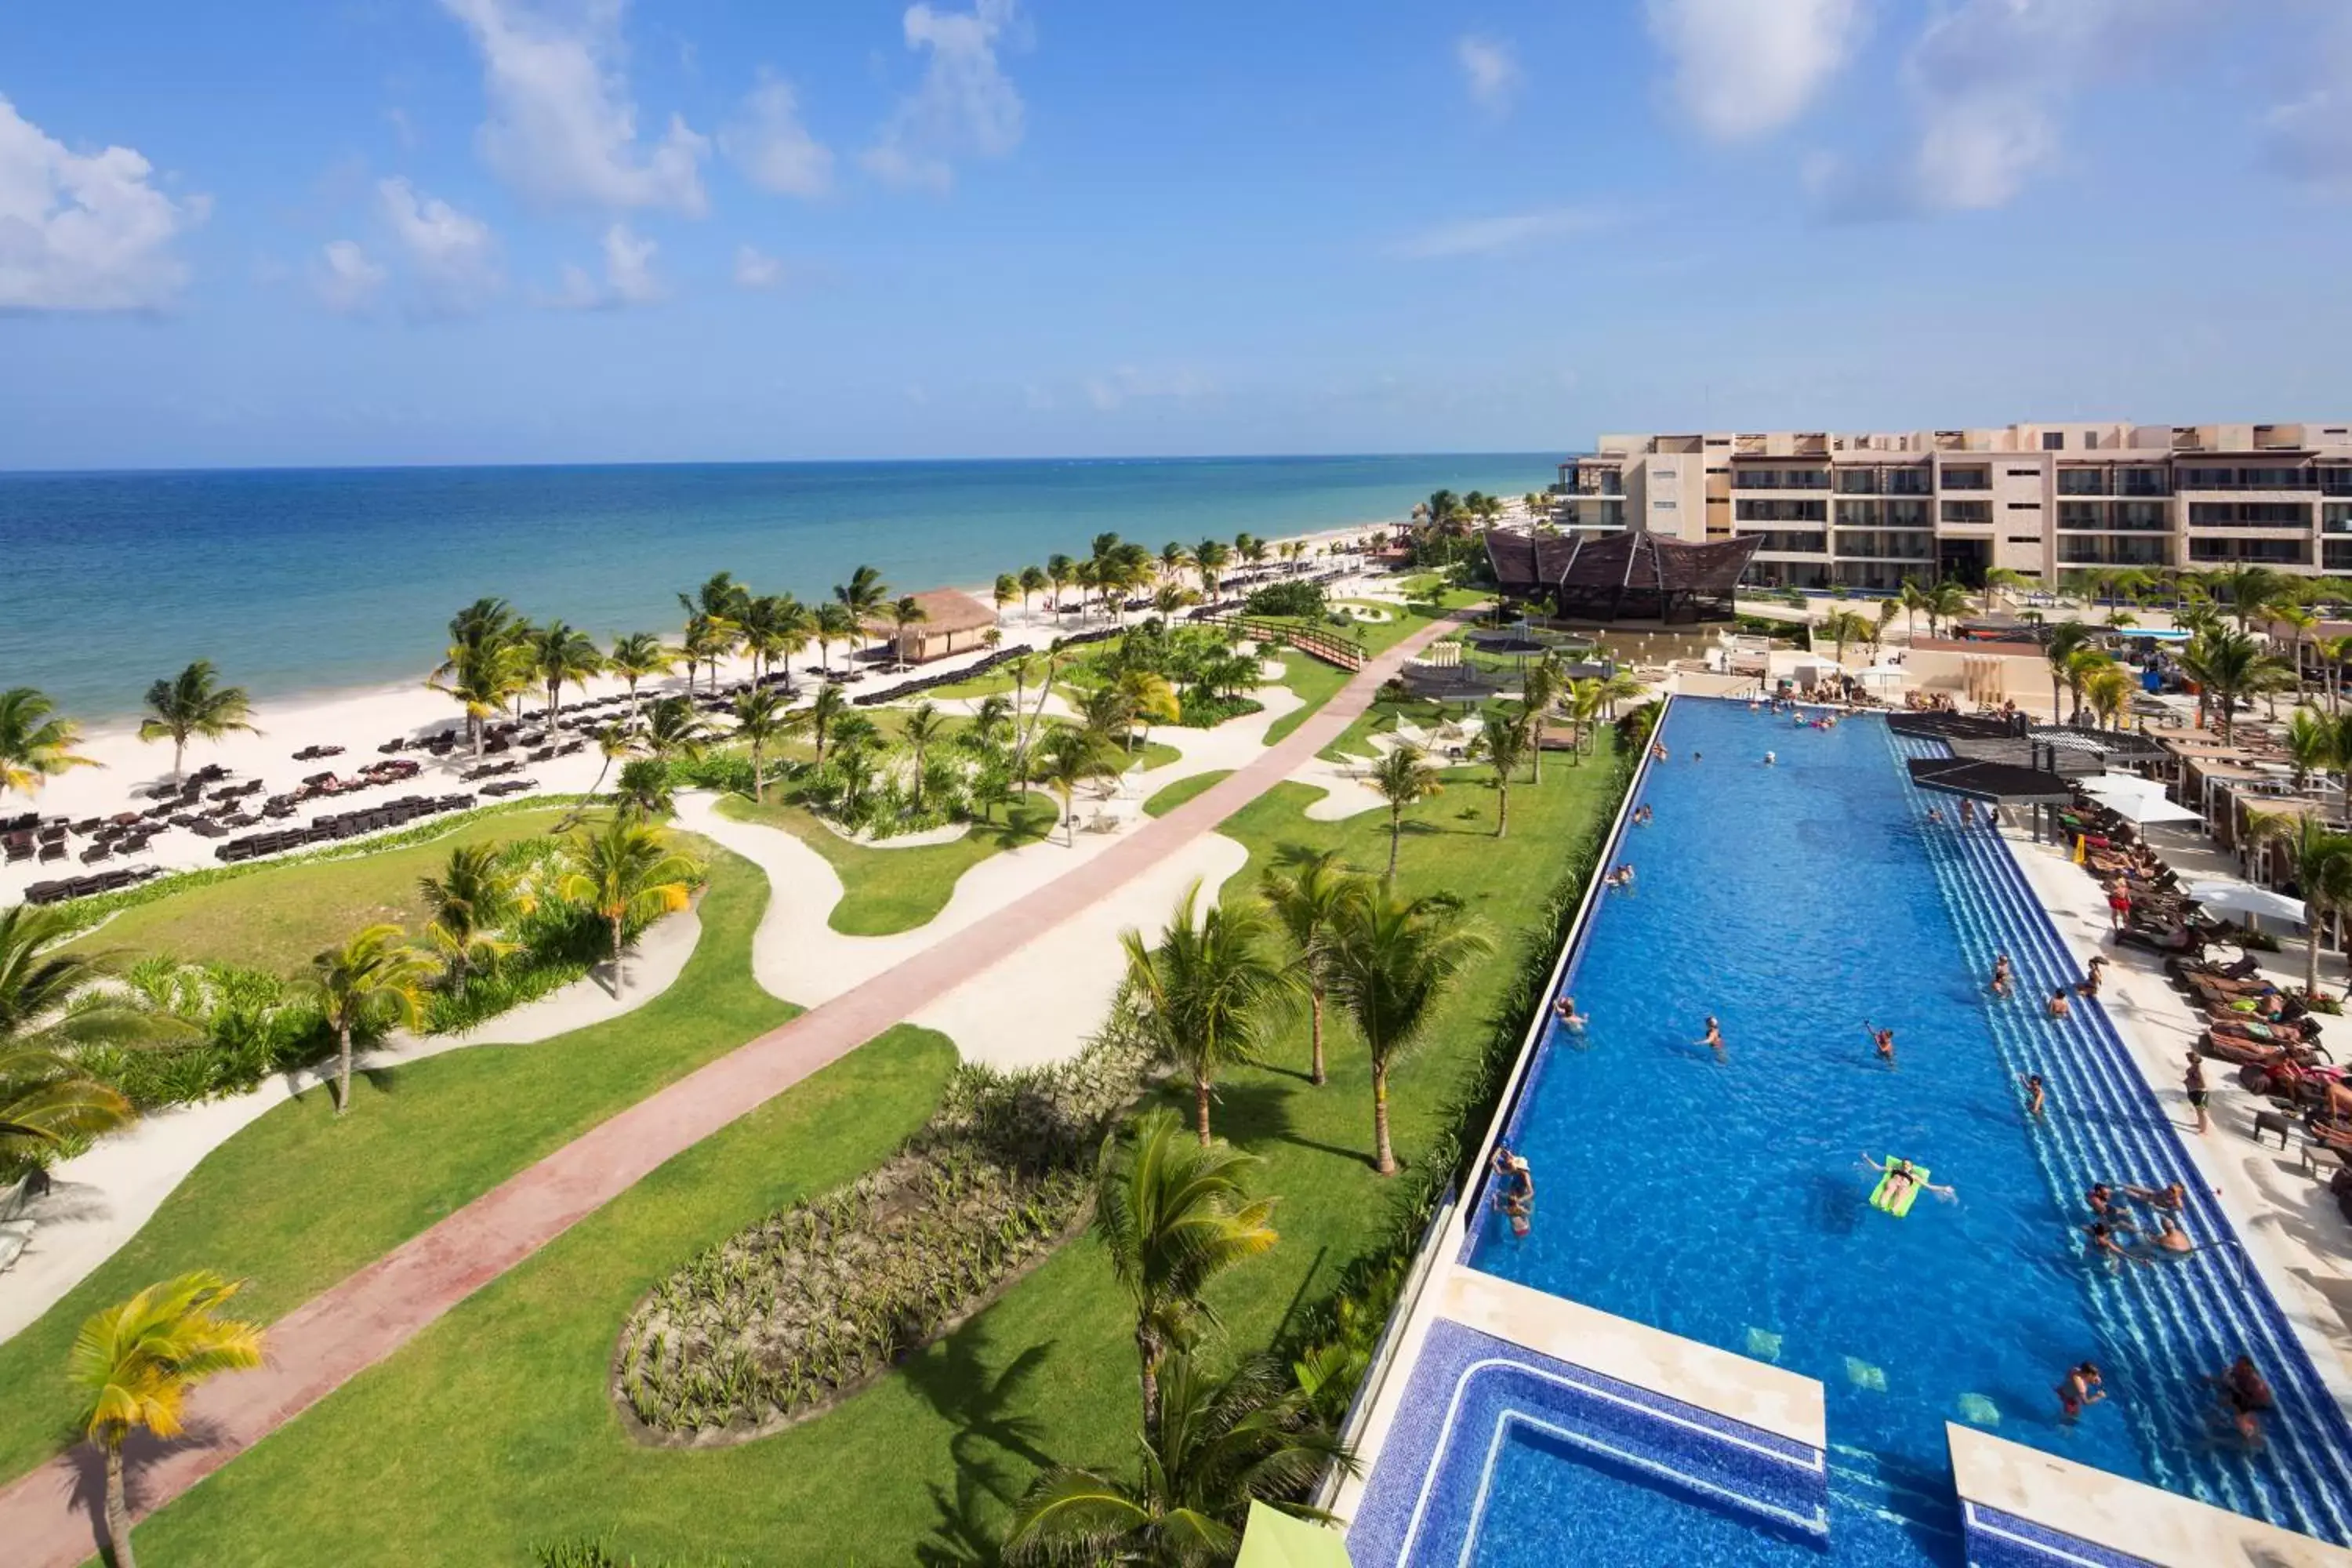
(140, 1452)
(965, 1535)
(985, 1405)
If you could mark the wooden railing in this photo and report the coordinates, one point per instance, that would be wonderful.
(1332, 647)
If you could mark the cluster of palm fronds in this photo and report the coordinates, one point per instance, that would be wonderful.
(786, 1316)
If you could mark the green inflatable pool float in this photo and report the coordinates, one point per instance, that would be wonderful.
(1899, 1205)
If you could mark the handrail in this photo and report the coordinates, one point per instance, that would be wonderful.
(1346, 653)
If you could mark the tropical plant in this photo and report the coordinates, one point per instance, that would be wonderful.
(561, 654)
(1305, 888)
(906, 610)
(374, 978)
(925, 724)
(622, 870)
(759, 723)
(643, 789)
(2300, 624)
(1065, 759)
(1392, 960)
(1913, 599)
(1216, 1449)
(2226, 665)
(2108, 690)
(2249, 589)
(482, 677)
(475, 896)
(1033, 582)
(640, 655)
(1585, 700)
(1150, 699)
(2322, 859)
(776, 626)
(136, 1364)
(1212, 993)
(1403, 778)
(2083, 666)
(1173, 1215)
(1540, 689)
(1505, 741)
(824, 711)
(2310, 743)
(1008, 588)
(1947, 601)
(35, 746)
(1209, 558)
(674, 727)
(708, 639)
(55, 1002)
(192, 704)
(835, 622)
(720, 598)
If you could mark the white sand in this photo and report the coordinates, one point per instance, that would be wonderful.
(100, 1199)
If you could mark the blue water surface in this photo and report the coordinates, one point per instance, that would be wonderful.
(1725, 1200)
(299, 579)
(1550, 1502)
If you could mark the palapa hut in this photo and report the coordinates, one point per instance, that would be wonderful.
(951, 622)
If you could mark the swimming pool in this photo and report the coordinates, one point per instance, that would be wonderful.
(1725, 1200)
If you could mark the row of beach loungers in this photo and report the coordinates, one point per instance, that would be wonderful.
(112, 881)
(344, 824)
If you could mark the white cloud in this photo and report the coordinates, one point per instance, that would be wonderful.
(1490, 71)
(1742, 68)
(347, 282)
(2309, 137)
(629, 279)
(84, 231)
(563, 127)
(773, 149)
(1127, 384)
(451, 254)
(754, 269)
(1497, 235)
(965, 103)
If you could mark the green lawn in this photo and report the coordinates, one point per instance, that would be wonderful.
(300, 1198)
(494, 1430)
(1182, 790)
(1356, 740)
(890, 890)
(276, 917)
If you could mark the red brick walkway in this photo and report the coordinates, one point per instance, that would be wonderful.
(48, 1518)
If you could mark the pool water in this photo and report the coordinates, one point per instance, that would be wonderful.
(1725, 1200)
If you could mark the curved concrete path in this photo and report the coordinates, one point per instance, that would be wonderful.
(98, 1200)
(46, 1518)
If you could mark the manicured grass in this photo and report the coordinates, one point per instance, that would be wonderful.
(1356, 740)
(1316, 683)
(1159, 754)
(495, 1430)
(1182, 790)
(278, 916)
(301, 1197)
(888, 890)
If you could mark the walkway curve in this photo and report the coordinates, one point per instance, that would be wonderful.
(47, 1516)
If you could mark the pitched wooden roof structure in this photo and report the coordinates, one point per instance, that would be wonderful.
(1622, 576)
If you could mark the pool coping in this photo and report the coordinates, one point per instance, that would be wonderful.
(2103, 1520)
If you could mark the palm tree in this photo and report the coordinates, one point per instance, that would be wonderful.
(1173, 1215)
(1393, 959)
(720, 598)
(1033, 582)
(1170, 598)
(2108, 690)
(1403, 778)
(1947, 601)
(35, 746)
(1060, 570)
(622, 870)
(192, 703)
(904, 611)
(560, 653)
(1841, 627)
(2227, 665)
(1174, 561)
(924, 726)
(1216, 1449)
(2334, 653)
(776, 626)
(825, 709)
(1150, 699)
(136, 1364)
(2066, 639)
(1913, 599)
(1211, 557)
(1505, 741)
(1586, 697)
(1305, 889)
(1008, 588)
(2300, 624)
(1105, 713)
(2083, 666)
(759, 722)
(640, 655)
(474, 896)
(643, 790)
(1212, 993)
(708, 639)
(1539, 688)
(2310, 743)
(864, 596)
(2322, 858)
(53, 1002)
(2247, 589)
(836, 623)
(373, 978)
(674, 727)
(1068, 757)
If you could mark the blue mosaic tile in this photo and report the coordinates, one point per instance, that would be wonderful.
(1997, 1539)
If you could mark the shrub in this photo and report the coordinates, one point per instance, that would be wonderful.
(1199, 710)
(1306, 600)
(788, 1315)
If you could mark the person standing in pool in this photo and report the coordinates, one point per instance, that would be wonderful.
(2081, 1386)
(1714, 1040)
(1570, 1018)
(2034, 1095)
(1884, 1040)
(2004, 978)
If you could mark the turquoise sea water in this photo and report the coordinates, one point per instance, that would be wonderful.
(302, 580)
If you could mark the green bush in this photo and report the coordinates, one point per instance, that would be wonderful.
(1199, 710)
(1306, 600)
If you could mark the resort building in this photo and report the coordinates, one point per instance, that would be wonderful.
(951, 622)
(1868, 511)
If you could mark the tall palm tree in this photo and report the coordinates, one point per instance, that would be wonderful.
(624, 869)
(1216, 1449)
(1586, 697)
(136, 1364)
(35, 746)
(1174, 561)
(835, 621)
(1913, 599)
(1403, 778)
(562, 655)
(2249, 589)
(643, 791)
(1841, 627)
(1033, 582)
(2322, 858)
(482, 677)
(2108, 689)
(1065, 759)
(1539, 688)
(825, 709)
(863, 597)
(1107, 713)
(674, 727)
(1212, 993)
(1393, 960)
(708, 639)
(1209, 558)
(1305, 889)
(1173, 1215)
(473, 898)
(2334, 654)
(2083, 666)
(1947, 601)
(906, 610)
(1060, 570)
(2065, 640)
(2226, 665)
(1505, 741)
(1007, 589)
(373, 978)
(759, 722)
(2300, 624)
(2310, 743)
(640, 655)
(720, 598)
(193, 703)
(925, 725)
(54, 1000)
(1150, 699)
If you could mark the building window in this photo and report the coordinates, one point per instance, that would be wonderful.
(2081, 481)
(2335, 517)
(1784, 512)
(1907, 482)
(1968, 478)
(2053, 440)
(1857, 481)
(2249, 515)
(1968, 512)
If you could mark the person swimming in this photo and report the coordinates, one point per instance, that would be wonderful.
(2093, 976)
(1771, 758)
(2004, 978)
(1936, 814)
(2170, 1198)
(2170, 1239)
(2104, 1205)
(2081, 1386)
(2058, 1006)
(2104, 1244)
(1570, 1018)
(2246, 1398)
(1884, 1040)
(1714, 1040)
(2034, 1095)
(1901, 1176)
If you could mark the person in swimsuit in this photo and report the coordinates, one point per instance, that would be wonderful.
(2081, 1386)
(2093, 976)
(1714, 1040)
(2245, 1399)
(1570, 1018)
(2059, 1006)
(1936, 814)
(1883, 1039)
(2194, 1082)
(2118, 905)
(2102, 1199)
(2034, 1089)
(2003, 978)
(1968, 812)
(1771, 758)
(2169, 1198)
(2104, 1244)
(1902, 1175)
(2170, 1239)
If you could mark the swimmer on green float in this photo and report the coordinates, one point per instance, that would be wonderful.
(1899, 1185)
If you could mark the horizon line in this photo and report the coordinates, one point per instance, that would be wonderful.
(166, 470)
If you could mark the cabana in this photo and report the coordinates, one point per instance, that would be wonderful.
(953, 623)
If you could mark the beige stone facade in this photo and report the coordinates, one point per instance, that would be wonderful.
(1868, 511)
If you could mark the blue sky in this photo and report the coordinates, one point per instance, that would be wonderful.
(557, 231)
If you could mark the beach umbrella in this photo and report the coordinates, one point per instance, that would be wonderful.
(2108, 786)
(2147, 810)
(1274, 1540)
(2230, 897)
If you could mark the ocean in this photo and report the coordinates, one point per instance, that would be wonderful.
(302, 581)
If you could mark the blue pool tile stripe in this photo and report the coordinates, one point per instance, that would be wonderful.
(1997, 1539)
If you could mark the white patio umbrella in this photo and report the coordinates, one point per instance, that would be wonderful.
(2108, 785)
(2237, 898)
(2146, 810)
